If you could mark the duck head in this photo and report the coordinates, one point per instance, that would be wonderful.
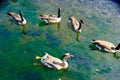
(21, 13)
(9, 13)
(118, 47)
(66, 56)
(81, 21)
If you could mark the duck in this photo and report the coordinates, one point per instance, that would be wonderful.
(106, 46)
(74, 24)
(17, 18)
(52, 18)
(53, 62)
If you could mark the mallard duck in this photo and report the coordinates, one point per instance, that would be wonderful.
(17, 18)
(53, 62)
(52, 18)
(106, 46)
(74, 24)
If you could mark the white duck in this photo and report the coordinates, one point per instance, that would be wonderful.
(52, 18)
(53, 62)
(106, 46)
(74, 24)
(17, 18)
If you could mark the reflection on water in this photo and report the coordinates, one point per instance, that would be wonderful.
(28, 74)
(24, 29)
(115, 55)
(77, 36)
(58, 26)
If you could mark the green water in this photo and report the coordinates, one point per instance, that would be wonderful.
(19, 46)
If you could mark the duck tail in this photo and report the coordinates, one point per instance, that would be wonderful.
(46, 53)
(93, 40)
(118, 47)
(9, 13)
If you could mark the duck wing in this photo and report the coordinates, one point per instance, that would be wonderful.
(50, 18)
(52, 61)
(104, 44)
(14, 16)
(47, 16)
(75, 24)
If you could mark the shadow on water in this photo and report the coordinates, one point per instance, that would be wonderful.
(93, 47)
(29, 75)
(39, 64)
(42, 23)
(53, 40)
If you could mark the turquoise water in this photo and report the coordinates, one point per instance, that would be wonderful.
(19, 45)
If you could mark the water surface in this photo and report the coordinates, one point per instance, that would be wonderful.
(19, 45)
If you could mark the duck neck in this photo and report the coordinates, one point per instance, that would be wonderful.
(80, 24)
(59, 13)
(118, 47)
(64, 62)
(21, 16)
